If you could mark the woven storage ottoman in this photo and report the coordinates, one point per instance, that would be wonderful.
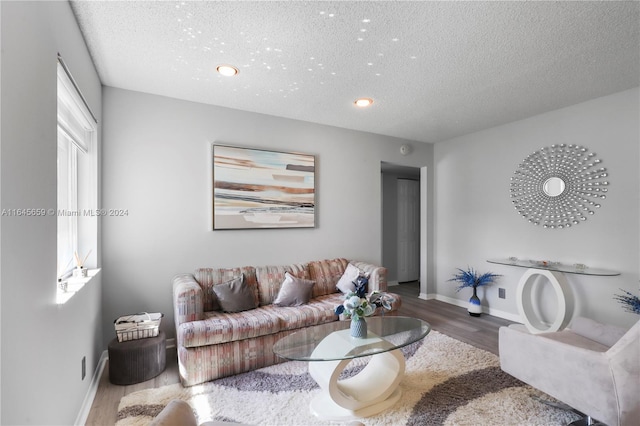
(136, 361)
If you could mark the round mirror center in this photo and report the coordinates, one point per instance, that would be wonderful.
(553, 186)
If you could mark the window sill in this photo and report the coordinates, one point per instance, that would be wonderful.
(73, 286)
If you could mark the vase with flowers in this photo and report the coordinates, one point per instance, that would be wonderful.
(471, 278)
(357, 305)
(80, 271)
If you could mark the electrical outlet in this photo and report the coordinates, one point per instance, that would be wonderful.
(84, 367)
(501, 293)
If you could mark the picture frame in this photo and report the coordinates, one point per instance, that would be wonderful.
(262, 189)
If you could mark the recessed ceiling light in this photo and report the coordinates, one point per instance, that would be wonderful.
(227, 70)
(363, 102)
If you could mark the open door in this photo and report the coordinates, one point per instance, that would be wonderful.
(408, 230)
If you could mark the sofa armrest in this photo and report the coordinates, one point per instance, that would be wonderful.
(188, 304)
(377, 275)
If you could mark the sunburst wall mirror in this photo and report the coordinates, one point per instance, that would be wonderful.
(559, 186)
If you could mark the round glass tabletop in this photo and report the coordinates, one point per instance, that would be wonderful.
(384, 334)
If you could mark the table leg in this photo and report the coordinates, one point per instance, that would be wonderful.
(526, 306)
(372, 390)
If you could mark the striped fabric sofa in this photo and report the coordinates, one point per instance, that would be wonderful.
(213, 344)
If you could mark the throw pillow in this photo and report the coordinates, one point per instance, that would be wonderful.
(210, 277)
(346, 283)
(294, 291)
(235, 295)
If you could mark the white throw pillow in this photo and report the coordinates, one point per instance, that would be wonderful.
(294, 291)
(345, 284)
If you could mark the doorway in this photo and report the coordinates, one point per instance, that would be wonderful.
(401, 224)
(408, 226)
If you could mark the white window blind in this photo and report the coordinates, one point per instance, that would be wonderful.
(76, 137)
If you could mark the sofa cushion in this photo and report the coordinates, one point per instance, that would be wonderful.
(317, 311)
(294, 291)
(270, 279)
(326, 274)
(235, 296)
(331, 301)
(220, 327)
(208, 277)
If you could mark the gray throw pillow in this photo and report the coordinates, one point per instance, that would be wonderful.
(294, 291)
(235, 295)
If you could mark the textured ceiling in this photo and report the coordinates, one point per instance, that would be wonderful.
(436, 70)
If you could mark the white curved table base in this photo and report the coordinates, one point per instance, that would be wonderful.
(525, 302)
(372, 390)
(325, 408)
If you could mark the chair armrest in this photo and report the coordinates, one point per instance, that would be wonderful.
(563, 364)
(624, 358)
(188, 304)
(607, 335)
(377, 275)
(177, 412)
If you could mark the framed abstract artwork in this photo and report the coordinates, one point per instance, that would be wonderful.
(259, 189)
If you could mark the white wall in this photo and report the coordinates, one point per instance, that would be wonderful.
(42, 343)
(476, 220)
(156, 164)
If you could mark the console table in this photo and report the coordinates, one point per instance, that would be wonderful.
(554, 273)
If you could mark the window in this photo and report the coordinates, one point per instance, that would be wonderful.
(67, 201)
(77, 179)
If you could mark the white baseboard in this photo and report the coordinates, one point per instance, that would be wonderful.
(425, 296)
(392, 283)
(452, 301)
(502, 314)
(83, 415)
(487, 310)
(171, 343)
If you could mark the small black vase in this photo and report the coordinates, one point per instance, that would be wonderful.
(475, 308)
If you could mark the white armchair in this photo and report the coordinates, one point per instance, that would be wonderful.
(179, 413)
(593, 368)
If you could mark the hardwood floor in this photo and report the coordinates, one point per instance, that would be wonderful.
(104, 409)
(454, 321)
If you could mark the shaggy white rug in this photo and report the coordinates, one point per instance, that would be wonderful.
(446, 382)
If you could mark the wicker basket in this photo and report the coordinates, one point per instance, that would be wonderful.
(137, 326)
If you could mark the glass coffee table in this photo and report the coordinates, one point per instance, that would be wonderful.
(329, 348)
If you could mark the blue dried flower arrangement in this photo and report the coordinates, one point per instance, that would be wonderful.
(631, 303)
(470, 278)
